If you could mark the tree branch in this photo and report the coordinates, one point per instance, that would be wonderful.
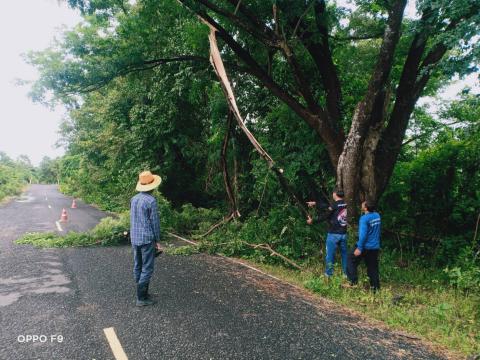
(223, 161)
(268, 38)
(255, 69)
(413, 80)
(130, 68)
(273, 253)
(273, 41)
(356, 38)
(316, 120)
(322, 57)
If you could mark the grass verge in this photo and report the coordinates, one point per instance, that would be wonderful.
(439, 314)
(110, 231)
(412, 299)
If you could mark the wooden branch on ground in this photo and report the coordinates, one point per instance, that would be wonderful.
(273, 253)
(223, 221)
(255, 246)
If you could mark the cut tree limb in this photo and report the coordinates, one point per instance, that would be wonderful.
(223, 221)
(273, 253)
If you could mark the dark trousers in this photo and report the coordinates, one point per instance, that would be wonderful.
(143, 256)
(371, 260)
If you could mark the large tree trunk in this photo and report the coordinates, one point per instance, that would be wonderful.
(357, 173)
(356, 169)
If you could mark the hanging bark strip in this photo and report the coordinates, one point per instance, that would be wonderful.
(226, 176)
(219, 68)
(234, 213)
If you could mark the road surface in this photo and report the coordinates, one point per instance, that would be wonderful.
(208, 307)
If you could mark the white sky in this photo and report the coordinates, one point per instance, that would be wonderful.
(27, 128)
(31, 129)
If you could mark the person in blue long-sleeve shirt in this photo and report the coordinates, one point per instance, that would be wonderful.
(144, 234)
(368, 246)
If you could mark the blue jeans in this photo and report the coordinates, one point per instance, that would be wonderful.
(331, 244)
(143, 257)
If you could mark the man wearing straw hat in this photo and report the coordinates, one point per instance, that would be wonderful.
(144, 233)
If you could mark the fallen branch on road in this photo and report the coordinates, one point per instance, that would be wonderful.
(223, 221)
(273, 253)
(266, 247)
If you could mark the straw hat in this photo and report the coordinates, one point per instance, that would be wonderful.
(147, 181)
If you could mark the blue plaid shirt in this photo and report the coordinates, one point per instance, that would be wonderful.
(144, 221)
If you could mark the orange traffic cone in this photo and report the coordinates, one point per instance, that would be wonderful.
(64, 216)
(74, 204)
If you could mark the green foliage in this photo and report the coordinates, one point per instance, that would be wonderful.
(439, 314)
(186, 250)
(47, 171)
(434, 198)
(110, 231)
(284, 229)
(465, 273)
(52, 240)
(194, 220)
(14, 175)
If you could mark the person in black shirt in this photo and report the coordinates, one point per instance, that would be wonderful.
(337, 231)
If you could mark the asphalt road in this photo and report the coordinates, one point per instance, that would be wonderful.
(208, 307)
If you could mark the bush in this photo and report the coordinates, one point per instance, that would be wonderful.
(194, 220)
(465, 274)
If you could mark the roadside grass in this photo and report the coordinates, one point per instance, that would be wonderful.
(182, 250)
(435, 312)
(6, 199)
(8, 193)
(110, 231)
(412, 298)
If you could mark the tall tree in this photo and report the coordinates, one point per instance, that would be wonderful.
(442, 41)
(353, 75)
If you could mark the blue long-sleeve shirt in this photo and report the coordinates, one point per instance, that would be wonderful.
(369, 227)
(144, 220)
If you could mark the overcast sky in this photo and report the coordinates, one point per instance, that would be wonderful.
(31, 129)
(27, 128)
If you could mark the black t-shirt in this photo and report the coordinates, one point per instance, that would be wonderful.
(337, 219)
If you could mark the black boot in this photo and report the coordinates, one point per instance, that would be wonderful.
(147, 295)
(142, 299)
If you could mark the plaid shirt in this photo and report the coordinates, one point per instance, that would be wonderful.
(144, 221)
